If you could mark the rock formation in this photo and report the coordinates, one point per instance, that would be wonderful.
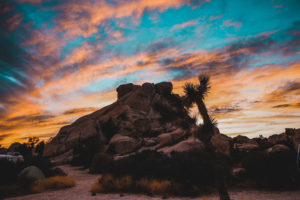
(143, 117)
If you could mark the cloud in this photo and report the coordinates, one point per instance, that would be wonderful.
(185, 24)
(79, 110)
(282, 106)
(3, 136)
(231, 23)
(38, 118)
(224, 110)
(286, 92)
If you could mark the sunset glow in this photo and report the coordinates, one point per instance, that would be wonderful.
(60, 60)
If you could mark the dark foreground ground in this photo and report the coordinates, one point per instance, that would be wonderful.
(85, 180)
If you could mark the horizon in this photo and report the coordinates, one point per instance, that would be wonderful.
(60, 60)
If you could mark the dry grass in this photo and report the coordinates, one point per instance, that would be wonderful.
(154, 186)
(108, 183)
(52, 183)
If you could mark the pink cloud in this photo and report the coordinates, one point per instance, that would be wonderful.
(215, 17)
(186, 24)
(231, 23)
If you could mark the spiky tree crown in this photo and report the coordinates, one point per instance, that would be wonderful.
(193, 92)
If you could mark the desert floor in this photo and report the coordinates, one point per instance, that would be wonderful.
(85, 180)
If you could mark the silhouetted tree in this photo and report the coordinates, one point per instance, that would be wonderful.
(32, 141)
(196, 94)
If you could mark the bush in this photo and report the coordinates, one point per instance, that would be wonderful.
(189, 168)
(108, 183)
(153, 186)
(52, 183)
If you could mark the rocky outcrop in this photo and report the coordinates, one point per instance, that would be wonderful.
(139, 119)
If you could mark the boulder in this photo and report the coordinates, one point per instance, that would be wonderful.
(121, 144)
(222, 143)
(164, 87)
(246, 147)
(278, 148)
(30, 174)
(191, 144)
(125, 89)
(170, 138)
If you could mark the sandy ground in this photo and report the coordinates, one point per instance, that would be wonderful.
(85, 180)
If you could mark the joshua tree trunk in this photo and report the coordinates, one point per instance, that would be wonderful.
(203, 111)
(218, 174)
(217, 168)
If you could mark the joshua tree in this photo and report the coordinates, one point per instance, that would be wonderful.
(196, 94)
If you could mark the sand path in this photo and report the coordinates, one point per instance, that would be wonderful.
(85, 180)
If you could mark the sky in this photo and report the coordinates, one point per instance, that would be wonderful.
(60, 60)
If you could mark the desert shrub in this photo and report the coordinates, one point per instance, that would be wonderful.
(101, 162)
(153, 186)
(52, 183)
(276, 170)
(109, 183)
(189, 168)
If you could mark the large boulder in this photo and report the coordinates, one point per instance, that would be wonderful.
(29, 175)
(170, 138)
(123, 144)
(278, 148)
(164, 87)
(191, 144)
(125, 89)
